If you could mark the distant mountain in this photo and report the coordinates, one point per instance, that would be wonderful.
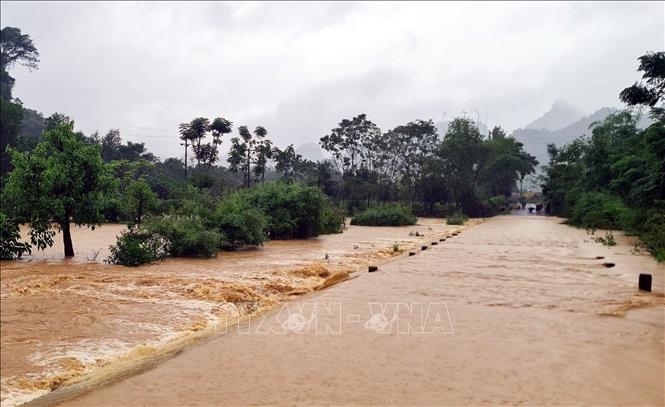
(560, 115)
(310, 151)
(536, 140)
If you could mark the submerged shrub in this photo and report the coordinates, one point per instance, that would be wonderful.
(185, 236)
(239, 223)
(11, 246)
(457, 218)
(135, 247)
(293, 210)
(332, 219)
(385, 215)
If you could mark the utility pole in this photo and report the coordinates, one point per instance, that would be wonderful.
(186, 145)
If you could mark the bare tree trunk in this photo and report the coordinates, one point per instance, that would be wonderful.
(67, 238)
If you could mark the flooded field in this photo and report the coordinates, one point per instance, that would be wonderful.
(68, 320)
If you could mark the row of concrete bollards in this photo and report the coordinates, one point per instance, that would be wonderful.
(372, 269)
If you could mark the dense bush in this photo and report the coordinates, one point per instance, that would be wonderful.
(185, 236)
(332, 219)
(653, 235)
(457, 218)
(597, 210)
(239, 223)
(385, 215)
(293, 210)
(10, 239)
(135, 247)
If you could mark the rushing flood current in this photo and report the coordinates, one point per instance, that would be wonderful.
(532, 317)
(63, 320)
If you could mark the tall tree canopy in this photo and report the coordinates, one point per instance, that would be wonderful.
(350, 142)
(244, 151)
(461, 154)
(194, 134)
(61, 181)
(15, 48)
(651, 90)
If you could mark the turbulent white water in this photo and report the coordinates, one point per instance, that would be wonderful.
(64, 320)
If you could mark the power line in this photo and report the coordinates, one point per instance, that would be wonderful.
(118, 124)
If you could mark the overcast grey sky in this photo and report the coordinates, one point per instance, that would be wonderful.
(299, 68)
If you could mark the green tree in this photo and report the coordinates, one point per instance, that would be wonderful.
(402, 153)
(11, 116)
(10, 239)
(208, 153)
(651, 90)
(141, 199)
(350, 143)
(244, 150)
(15, 48)
(194, 134)
(285, 161)
(263, 153)
(61, 181)
(113, 149)
(504, 163)
(461, 154)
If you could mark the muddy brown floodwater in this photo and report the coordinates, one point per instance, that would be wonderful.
(535, 319)
(64, 321)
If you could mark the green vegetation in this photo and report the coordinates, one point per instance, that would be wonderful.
(140, 198)
(653, 236)
(293, 210)
(464, 171)
(62, 180)
(615, 179)
(184, 236)
(202, 227)
(598, 210)
(385, 215)
(11, 246)
(135, 247)
(457, 218)
(239, 223)
(332, 219)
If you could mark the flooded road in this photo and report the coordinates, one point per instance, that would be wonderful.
(530, 317)
(67, 320)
